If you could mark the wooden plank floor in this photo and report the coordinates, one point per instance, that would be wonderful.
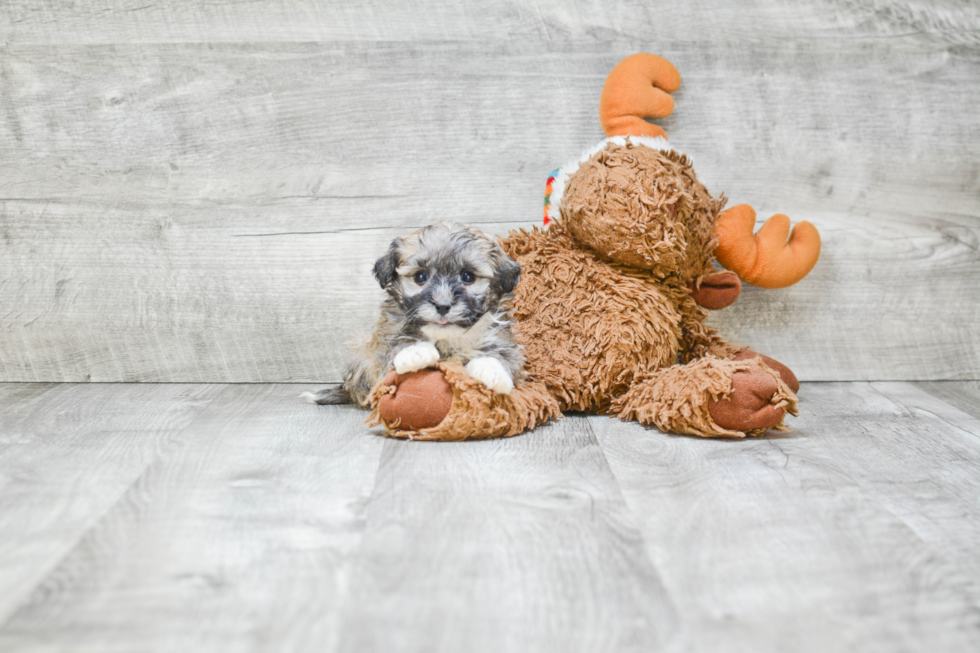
(144, 517)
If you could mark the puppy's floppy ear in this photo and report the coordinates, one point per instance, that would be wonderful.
(508, 271)
(386, 266)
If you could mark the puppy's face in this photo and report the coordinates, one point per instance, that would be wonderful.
(446, 276)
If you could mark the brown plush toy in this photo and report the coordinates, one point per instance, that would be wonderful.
(609, 306)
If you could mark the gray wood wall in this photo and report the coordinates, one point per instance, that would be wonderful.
(195, 190)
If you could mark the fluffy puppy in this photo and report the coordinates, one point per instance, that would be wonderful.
(449, 291)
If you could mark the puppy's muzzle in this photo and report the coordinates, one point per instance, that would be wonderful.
(442, 307)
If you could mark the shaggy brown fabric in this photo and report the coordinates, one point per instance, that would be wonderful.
(643, 208)
(587, 328)
(476, 412)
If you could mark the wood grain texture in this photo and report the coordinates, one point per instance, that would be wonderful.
(964, 395)
(522, 544)
(68, 454)
(124, 21)
(856, 531)
(234, 538)
(194, 191)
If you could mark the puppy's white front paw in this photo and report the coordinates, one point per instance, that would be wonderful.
(491, 372)
(416, 357)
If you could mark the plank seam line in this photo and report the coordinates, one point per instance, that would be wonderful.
(975, 436)
(355, 555)
(634, 517)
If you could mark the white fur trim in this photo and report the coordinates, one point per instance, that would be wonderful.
(570, 168)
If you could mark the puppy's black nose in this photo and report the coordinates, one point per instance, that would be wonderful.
(442, 308)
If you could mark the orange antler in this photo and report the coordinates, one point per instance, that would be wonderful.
(638, 88)
(766, 259)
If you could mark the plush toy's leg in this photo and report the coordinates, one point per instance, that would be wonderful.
(710, 397)
(448, 404)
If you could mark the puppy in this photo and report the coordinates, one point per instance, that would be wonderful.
(449, 291)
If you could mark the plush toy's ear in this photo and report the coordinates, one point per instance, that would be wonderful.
(385, 268)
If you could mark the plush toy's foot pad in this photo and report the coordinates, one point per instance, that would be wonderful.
(446, 403)
(420, 400)
(749, 407)
(784, 372)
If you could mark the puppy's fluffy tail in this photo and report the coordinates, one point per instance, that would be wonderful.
(337, 395)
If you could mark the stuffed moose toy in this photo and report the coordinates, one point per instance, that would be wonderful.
(610, 306)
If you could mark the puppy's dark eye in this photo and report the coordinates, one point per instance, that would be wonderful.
(467, 277)
(421, 277)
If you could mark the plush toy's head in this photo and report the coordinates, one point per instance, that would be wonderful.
(642, 207)
(636, 200)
